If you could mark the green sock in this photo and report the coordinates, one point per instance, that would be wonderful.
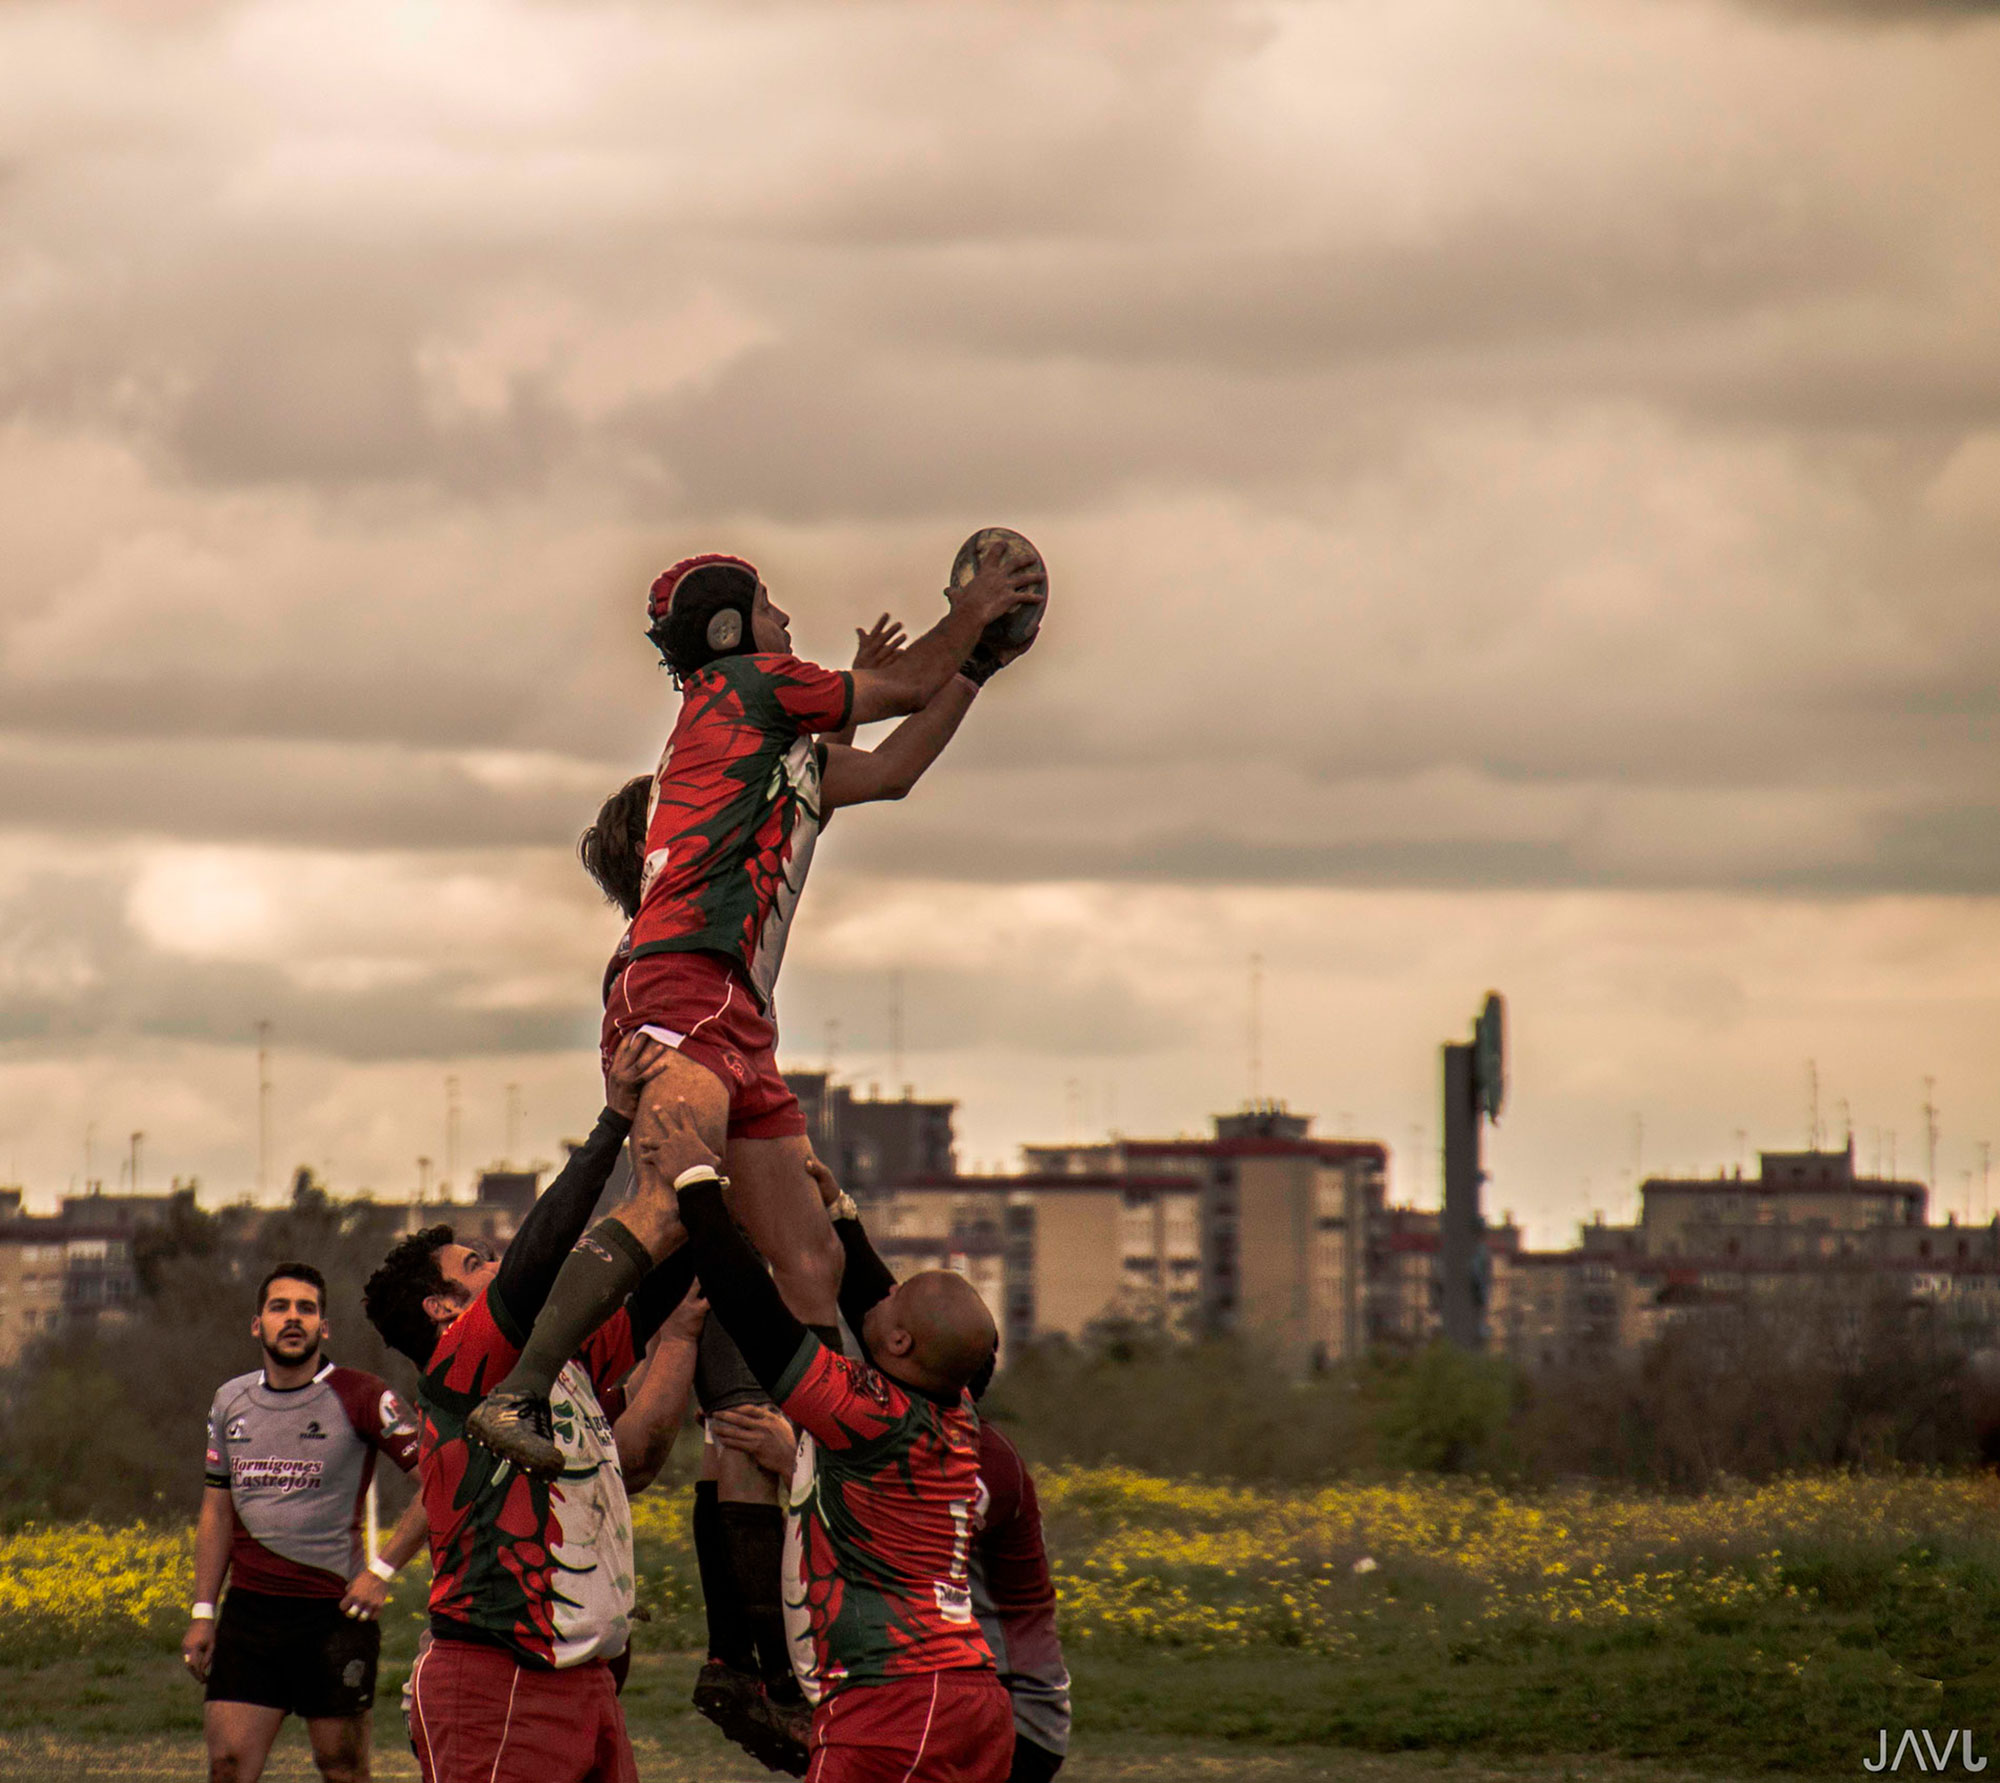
(605, 1266)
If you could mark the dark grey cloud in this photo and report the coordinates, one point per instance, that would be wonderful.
(1579, 451)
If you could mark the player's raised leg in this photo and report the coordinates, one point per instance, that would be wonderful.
(684, 1109)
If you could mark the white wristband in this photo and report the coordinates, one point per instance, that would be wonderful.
(843, 1208)
(381, 1569)
(202, 1612)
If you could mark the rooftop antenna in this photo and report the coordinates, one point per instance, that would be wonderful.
(138, 1139)
(1846, 1123)
(1930, 1134)
(513, 1123)
(1742, 1149)
(1812, 1082)
(263, 1109)
(423, 1179)
(896, 1027)
(1256, 1027)
(450, 1135)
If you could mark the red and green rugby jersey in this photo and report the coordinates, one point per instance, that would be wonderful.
(540, 1567)
(879, 1533)
(736, 811)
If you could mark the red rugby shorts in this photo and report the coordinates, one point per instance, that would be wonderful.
(946, 1727)
(698, 1005)
(476, 1716)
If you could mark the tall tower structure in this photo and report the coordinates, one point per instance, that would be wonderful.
(1475, 1086)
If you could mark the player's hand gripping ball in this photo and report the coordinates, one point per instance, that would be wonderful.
(1012, 632)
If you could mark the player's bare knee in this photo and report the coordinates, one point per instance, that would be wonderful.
(342, 1755)
(226, 1767)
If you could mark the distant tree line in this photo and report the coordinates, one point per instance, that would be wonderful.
(1741, 1391)
(109, 1423)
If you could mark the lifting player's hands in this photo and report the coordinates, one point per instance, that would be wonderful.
(639, 1059)
(880, 644)
(198, 1648)
(837, 1202)
(364, 1597)
(684, 1323)
(762, 1432)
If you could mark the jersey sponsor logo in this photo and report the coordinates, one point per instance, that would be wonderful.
(278, 1473)
(954, 1594)
(312, 1432)
(238, 1431)
(395, 1421)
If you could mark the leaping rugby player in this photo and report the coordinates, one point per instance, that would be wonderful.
(737, 806)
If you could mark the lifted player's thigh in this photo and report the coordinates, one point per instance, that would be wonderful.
(775, 1197)
(683, 1120)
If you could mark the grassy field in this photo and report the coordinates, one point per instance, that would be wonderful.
(1371, 1632)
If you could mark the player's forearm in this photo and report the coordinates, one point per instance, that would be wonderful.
(865, 1278)
(412, 1530)
(652, 1303)
(920, 739)
(211, 1545)
(652, 1420)
(557, 1220)
(740, 1292)
(919, 675)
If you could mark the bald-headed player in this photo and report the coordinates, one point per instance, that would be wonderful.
(736, 809)
(882, 1499)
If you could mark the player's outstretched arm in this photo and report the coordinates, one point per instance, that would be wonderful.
(917, 676)
(556, 1221)
(864, 1277)
(658, 1400)
(888, 771)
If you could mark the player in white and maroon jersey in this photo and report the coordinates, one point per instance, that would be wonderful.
(291, 1450)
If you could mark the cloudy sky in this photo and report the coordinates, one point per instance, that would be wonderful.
(1522, 481)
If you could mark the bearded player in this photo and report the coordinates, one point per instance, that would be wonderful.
(291, 1450)
(736, 811)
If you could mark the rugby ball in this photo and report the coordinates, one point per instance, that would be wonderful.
(1015, 630)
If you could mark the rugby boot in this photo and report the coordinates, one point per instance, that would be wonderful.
(736, 1702)
(791, 1727)
(517, 1428)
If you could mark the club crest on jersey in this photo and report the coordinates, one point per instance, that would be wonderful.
(312, 1432)
(238, 1431)
(395, 1421)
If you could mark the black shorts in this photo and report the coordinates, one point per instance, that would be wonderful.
(299, 1654)
(722, 1379)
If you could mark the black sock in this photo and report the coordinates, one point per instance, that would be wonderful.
(606, 1265)
(729, 1638)
(756, 1538)
(828, 1335)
